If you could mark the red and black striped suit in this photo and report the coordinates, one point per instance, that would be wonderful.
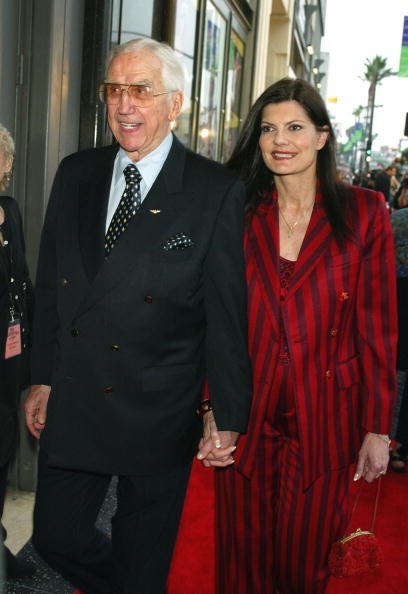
(285, 500)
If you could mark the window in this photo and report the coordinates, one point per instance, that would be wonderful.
(233, 94)
(184, 45)
(211, 82)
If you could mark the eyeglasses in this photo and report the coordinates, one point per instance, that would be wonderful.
(142, 95)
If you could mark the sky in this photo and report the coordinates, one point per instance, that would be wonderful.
(356, 30)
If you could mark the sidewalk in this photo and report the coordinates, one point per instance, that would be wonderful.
(17, 519)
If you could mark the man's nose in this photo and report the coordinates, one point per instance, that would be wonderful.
(125, 102)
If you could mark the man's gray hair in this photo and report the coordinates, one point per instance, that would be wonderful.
(171, 67)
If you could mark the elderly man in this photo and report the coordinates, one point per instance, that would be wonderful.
(140, 296)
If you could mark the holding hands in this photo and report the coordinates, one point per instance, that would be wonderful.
(216, 447)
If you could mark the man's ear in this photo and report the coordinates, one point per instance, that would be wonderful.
(176, 104)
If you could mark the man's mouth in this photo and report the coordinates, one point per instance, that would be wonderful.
(128, 126)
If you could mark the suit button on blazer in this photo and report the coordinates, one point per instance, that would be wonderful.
(114, 347)
(148, 299)
(64, 282)
(75, 332)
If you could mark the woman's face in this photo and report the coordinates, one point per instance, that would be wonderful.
(5, 165)
(289, 140)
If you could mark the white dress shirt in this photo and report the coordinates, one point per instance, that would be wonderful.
(149, 168)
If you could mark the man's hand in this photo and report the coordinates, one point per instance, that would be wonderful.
(372, 458)
(216, 447)
(35, 408)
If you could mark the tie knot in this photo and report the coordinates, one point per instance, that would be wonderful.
(132, 175)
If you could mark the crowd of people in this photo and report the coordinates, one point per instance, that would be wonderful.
(245, 313)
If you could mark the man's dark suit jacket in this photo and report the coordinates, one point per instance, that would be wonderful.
(126, 342)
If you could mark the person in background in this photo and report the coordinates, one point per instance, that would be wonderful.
(401, 195)
(382, 181)
(140, 294)
(16, 300)
(399, 223)
(322, 339)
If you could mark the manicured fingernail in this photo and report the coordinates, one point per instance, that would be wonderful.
(217, 444)
(356, 477)
(234, 448)
(199, 456)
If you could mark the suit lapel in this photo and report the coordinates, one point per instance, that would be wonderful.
(317, 240)
(263, 247)
(145, 228)
(93, 204)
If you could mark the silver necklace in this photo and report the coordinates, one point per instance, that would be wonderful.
(292, 226)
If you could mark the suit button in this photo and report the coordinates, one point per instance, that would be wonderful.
(328, 374)
(333, 332)
(114, 347)
(74, 332)
(64, 282)
(108, 390)
(148, 299)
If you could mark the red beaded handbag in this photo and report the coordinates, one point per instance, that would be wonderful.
(359, 551)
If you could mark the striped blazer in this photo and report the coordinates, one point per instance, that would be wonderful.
(339, 316)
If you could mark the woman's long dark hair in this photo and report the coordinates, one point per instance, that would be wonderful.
(246, 159)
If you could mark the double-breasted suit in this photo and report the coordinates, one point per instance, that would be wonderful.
(338, 319)
(125, 342)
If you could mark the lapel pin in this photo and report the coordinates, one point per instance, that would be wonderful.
(154, 211)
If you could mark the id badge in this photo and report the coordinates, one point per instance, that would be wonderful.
(13, 341)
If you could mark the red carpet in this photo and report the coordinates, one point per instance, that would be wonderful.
(193, 562)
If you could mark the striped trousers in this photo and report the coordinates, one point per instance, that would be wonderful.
(271, 535)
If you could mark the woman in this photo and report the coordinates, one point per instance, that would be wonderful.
(15, 313)
(322, 337)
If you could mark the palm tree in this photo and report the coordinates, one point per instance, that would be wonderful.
(375, 71)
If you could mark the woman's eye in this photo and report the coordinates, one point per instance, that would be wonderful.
(266, 129)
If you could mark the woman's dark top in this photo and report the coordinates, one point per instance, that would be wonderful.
(16, 294)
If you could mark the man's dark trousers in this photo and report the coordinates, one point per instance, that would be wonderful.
(144, 528)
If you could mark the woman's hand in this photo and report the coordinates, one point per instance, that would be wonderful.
(373, 457)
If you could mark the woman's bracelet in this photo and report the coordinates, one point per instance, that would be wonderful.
(205, 407)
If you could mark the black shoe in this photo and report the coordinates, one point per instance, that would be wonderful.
(17, 568)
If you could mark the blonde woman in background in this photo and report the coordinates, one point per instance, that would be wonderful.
(15, 308)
